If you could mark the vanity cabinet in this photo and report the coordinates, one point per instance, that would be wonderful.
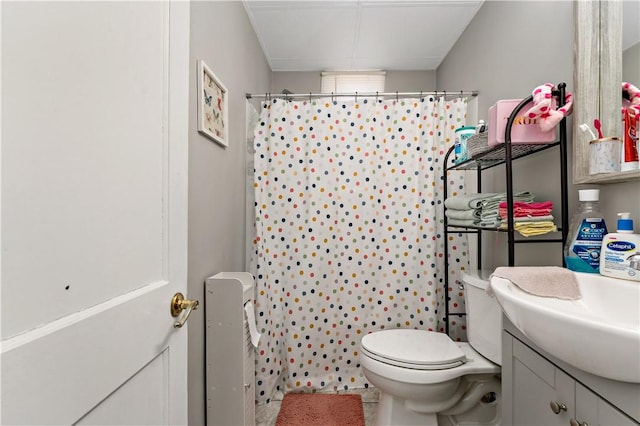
(537, 391)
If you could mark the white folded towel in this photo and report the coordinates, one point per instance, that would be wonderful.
(473, 214)
(468, 201)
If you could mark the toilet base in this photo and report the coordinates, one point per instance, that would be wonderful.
(480, 406)
(483, 414)
(391, 411)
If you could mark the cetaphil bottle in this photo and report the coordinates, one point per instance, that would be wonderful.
(618, 250)
(584, 240)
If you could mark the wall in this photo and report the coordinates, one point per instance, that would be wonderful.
(395, 81)
(222, 36)
(631, 65)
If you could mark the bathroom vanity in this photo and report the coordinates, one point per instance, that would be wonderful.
(539, 389)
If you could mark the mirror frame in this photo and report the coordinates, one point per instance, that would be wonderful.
(597, 81)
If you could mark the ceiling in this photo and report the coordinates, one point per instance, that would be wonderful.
(350, 35)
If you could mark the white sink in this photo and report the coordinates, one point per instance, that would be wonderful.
(599, 333)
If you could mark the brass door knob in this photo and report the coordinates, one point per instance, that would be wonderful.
(179, 304)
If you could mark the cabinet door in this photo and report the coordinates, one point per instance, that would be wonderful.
(595, 411)
(537, 385)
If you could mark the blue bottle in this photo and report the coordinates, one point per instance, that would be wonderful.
(584, 240)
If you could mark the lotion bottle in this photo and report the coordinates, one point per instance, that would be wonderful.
(617, 248)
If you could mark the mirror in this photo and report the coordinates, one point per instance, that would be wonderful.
(597, 78)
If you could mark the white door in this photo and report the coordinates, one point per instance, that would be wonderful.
(94, 211)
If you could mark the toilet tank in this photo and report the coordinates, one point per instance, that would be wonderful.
(484, 316)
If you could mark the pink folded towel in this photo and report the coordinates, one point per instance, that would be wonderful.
(520, 212)
(522, 204)
(545, 281)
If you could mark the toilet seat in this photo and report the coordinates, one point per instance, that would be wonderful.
(475, 364)
(414, 349)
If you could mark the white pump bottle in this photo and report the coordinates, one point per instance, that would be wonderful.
(617, 250)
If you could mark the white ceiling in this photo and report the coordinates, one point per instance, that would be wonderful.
(349, 35)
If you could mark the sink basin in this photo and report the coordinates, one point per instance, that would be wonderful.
(599, 333)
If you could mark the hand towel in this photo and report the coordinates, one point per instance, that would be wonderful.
(520, 212)
(530, 229)
(545, 281)
(538, 205)
(468, 201)
(545, 218)
(489, 214)
(489, 222)
(494, 202)
(463, 222)
(463, 214)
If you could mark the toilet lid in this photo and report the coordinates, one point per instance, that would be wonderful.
(418, 349)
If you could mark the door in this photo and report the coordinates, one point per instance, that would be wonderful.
(94, 211)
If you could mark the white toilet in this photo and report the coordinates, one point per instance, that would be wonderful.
(425, 378)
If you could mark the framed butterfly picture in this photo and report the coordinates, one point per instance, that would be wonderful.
(212, 106)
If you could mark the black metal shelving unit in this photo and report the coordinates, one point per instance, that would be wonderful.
(505, 154)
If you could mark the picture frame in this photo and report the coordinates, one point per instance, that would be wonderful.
(212, 106)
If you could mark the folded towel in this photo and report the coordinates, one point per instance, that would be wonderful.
(468, 201)
(489, 214)
(545, 281)
(463, 222)
(532, 228)
(520, 212)
(538, 205)
(490, 222)
(463, 214)
(545, 218)
(494, 202)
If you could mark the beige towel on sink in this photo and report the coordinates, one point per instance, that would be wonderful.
(546, 281)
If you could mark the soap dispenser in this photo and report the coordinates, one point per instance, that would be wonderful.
(620, 251)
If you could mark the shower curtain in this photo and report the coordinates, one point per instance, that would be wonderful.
(348, 232)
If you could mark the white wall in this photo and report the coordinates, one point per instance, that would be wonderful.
(222, 36)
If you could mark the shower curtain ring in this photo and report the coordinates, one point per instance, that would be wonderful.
(332, 101)
(309, 97)
(421, 95)
(376, 96)
(396, 96)
(445, 95)
(356, 97)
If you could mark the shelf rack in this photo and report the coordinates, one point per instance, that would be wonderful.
(499, 155)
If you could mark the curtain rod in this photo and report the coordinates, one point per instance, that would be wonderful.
(473, 93)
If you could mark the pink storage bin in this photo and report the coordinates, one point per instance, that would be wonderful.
(524, 129)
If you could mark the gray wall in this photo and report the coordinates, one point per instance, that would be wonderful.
(631, 65)
(498, 55)
(222, 36)
(395, 81)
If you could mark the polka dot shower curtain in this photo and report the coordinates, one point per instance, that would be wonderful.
(349, 232)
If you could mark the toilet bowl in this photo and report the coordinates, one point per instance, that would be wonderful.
(425, 378)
